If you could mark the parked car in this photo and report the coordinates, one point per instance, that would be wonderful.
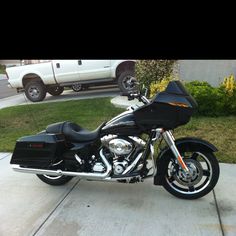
(52, 76)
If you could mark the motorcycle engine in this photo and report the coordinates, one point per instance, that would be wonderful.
(120, 146)
(121, 149)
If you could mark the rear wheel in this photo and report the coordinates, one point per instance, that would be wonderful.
(55, 180)
(125, 81)
(204, 170)
(77, 87)
(35, 91)
(55, 91)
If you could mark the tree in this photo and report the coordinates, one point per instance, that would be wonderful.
(148, 71)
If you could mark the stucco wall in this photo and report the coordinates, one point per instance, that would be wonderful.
(212, 71)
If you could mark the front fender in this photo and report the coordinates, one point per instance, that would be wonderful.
(189, 144)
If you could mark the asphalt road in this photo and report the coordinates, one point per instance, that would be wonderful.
(4, 90)
(93, 92)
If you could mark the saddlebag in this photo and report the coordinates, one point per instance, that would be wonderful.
(39, 150)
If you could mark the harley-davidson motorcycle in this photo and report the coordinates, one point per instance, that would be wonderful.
(122, 149)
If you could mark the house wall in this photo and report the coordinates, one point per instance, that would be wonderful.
(10, 62)
(212, 71)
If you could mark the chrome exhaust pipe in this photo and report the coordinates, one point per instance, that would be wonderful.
(82, 175)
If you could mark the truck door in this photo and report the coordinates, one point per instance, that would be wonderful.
(94, 69)
(66, 70)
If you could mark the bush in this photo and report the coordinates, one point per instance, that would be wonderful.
(2, 69)
(151, 71)
(156, 87)
(229, 84)
(213, 101)
(229, 89)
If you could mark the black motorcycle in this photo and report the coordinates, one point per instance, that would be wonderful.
(122, 149)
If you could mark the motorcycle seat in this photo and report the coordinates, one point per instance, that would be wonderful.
(74, 132)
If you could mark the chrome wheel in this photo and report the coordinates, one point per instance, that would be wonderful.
(127, 82)
(204, 174)
(53, 177)
(200, 174)
(34, 91)
(76, 87)
(196, 173)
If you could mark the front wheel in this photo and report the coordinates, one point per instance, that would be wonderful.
(204, 169)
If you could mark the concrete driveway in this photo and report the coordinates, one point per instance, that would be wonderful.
(31, 207)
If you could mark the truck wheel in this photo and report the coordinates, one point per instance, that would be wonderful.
(55, 91)
(35, 91)
(125, 79)
(77, 87)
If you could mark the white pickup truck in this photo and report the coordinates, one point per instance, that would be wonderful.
(52, 76)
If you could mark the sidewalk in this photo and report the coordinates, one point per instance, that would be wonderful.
(31, 207)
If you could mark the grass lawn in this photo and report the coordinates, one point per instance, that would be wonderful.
(29, 119)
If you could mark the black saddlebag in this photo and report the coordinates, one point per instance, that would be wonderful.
(38, 150)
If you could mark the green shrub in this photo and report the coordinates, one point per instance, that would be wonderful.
(229, 84)
(156, 87)
(228, 87)
(151, 71)
(212, 101)
(2, 69)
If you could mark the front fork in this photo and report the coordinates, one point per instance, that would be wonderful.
(171, 143)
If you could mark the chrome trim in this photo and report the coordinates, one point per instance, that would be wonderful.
(170, 142)
(153, 162)
(138, 141)
(145, 99)
(124, 178)
(52, 177)
(133, 164)
(78, 159)
(158, 134)
(109, 123)
(120, 146)
(57, 163)
(81, 175)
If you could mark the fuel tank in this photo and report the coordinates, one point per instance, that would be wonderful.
(123, 124)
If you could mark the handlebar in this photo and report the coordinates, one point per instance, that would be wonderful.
(135, 94)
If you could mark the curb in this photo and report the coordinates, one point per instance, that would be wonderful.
(122, 102)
